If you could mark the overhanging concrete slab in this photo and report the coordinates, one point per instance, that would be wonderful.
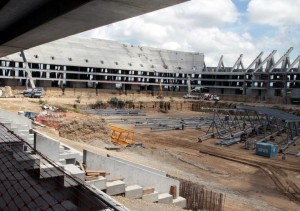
(25, 24)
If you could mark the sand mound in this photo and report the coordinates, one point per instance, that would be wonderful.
(85, 129)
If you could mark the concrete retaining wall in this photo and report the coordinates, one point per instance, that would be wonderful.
(132, 173)
(47, 146)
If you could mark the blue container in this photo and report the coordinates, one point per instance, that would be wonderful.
(266, 150)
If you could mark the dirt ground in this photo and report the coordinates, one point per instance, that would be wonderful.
(248, 181)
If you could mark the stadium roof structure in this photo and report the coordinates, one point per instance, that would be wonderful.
(97, 53)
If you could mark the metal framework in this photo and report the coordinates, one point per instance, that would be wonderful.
(236, 125)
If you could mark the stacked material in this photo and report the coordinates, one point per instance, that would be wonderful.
(6, 91)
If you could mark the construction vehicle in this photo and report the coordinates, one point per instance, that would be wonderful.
(200, 89)
(34, 93)
(189, 96)
(209, 96)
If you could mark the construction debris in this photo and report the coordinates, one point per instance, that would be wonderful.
(6, 91)
(92, 174)
(120, 136)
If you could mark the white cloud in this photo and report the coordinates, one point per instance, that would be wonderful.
(200, 26)
(274, 12)
(192, 26)
(204, 13)
(211, 41)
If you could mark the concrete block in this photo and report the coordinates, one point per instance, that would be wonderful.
(22, 127)
(61, 149)
(69, 155)
(133, 192)
(99, 183)
(151, 197)
(115, 187)
(180, 202)
(48, 170)
(62, 161)
(74, 171)
(165, 198)
(71, 161)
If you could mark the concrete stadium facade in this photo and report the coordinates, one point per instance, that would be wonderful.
(93, 63)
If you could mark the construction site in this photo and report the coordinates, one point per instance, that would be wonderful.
(91, 124)
(193, 154)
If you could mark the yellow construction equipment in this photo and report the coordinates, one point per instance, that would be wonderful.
(121, 136)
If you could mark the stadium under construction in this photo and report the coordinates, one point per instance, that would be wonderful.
(93, 63)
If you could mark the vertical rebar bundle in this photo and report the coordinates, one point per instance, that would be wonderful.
(198, 198)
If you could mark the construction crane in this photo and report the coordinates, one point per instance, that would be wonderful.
(189, 95)
(160, 95)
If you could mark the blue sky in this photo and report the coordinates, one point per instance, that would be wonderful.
(215, 28)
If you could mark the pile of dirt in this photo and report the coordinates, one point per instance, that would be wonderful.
(86, 129)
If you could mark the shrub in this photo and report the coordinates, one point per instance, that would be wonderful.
(42, 102)
(129, 103)
(161, 104)
(78, 100)
(116, 103)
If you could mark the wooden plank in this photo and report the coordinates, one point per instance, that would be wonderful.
(111, 180)
(95, 171)
(92, 174)
(112, 147)
(173, 191)
(148, 190)
(91, 178)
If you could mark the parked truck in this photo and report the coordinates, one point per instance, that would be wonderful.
(209, 96)
(34, 93)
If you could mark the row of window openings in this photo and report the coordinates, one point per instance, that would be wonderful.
(192, 75)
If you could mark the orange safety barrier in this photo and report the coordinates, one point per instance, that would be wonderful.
(121, 136)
